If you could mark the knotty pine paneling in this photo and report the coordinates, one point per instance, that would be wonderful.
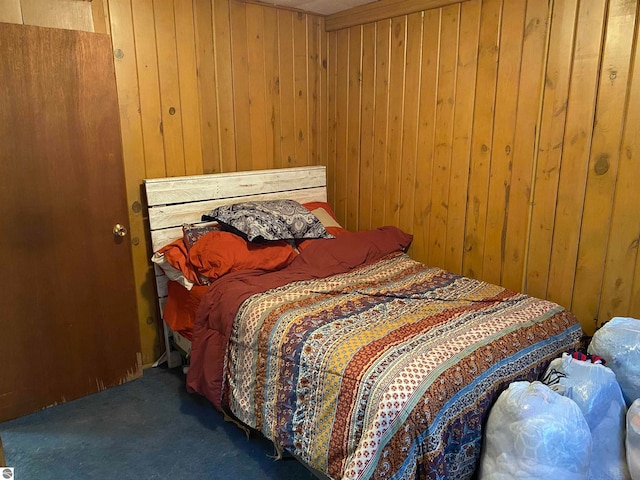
(212, 86)
(504, 136)
(605, 156)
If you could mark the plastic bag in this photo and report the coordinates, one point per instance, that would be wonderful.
(535, 433)
(595, 390)
(618, 342)
(633, 439)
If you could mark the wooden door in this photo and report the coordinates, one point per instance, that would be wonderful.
(68, 322)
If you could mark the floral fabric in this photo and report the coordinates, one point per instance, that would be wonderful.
(269, 220)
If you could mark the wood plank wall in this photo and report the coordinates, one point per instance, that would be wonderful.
(211, 86)
(504, 134)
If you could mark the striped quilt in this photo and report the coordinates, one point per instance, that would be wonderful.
(388, 370)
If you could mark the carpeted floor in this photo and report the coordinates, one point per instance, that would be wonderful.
(150, 428)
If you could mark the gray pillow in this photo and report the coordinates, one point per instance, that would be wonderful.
(268, 220)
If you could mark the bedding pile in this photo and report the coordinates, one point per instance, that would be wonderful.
(593, 387)
(534, 433)
(618, 342)
(207, 251)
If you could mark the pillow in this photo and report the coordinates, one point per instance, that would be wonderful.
(218, 253)
(311, 206)
(269, 220)
(171, 272)
(324, 213)
(192, 232)
(174, 262)
(354, 249)
(325, 218)
(335, 231)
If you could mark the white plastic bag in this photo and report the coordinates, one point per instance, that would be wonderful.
(535, 433)
(595, 390)
(618, 342)
(633, 439)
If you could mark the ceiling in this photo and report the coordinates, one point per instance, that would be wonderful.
(322, 7)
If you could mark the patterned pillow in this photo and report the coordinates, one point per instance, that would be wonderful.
(192, 232)
(269, 220)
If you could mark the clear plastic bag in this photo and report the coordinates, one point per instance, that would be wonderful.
(618, 342)
(633, 439)
(535, 433)
(595, 390)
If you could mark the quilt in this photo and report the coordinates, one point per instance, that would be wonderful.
(386, 369)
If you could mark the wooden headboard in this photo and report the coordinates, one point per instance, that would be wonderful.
(175, 201)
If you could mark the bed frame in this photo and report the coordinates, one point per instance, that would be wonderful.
(175, 201)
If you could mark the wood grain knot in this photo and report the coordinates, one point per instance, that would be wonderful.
(602, 164)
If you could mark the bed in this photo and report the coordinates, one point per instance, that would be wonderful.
(351, 356)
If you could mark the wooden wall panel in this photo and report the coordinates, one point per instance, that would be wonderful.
(286, 86)
(622, 248)
(413, 58)
(332, 116)
(241, 96)
(133, 151)
(224, 88)
(504, 120)
(354, 131)
(186, 44)
(170, 92)
(425, 134)
(207, 79)
(368, 112)
(604, 159)
(526, 133)
(531, 78)
(576, 145)
(257, 84)
(213, 86)
(272, 93)
(381, 121)
(322, 102)
(549, 152)
(482, 136)
(395, 118)
(301, 90)
(342, 124)
(149, 87)
(443, 142)
(316, 95)
(462, 130)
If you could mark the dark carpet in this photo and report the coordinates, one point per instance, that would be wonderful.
(150, 428)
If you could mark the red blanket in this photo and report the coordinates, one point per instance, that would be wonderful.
(219, 305)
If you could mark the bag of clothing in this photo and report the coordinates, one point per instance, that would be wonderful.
(594, 388)
(633, 439)
(535, 433)
(618, 342)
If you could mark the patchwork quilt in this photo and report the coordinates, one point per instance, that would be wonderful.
(386, 369)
